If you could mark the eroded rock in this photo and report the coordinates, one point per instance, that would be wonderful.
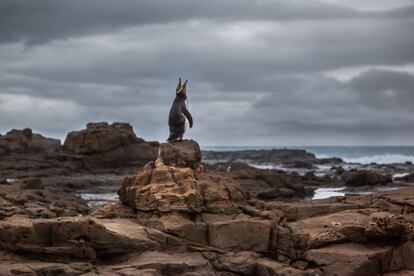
(73, 237)
(365, 178)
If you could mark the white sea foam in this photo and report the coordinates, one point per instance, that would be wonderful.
(99, 196)
(381, 159)
(322, 193)
(398, 175)
(263, 167)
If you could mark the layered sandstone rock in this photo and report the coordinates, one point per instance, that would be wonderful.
(79, 238)
(31, 198)
(176, 182)
(110, 145)
(177, 195)
(21, 141)
(100, 148)
(183, 154)
(270, 184)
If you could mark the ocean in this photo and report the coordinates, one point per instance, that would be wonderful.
(350, 154)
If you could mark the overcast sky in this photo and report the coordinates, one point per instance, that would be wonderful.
(261, 72)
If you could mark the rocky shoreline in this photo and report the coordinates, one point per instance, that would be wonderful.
(180, 215)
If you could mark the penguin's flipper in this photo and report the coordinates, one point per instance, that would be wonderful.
(188, 116)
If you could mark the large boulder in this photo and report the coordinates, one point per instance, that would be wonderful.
(361, 226)
(100, 137)
(176, 195)
(25, 141)
(180, 154)
(73, 237)
(177, 186)
(365, 178)
(350, 259)
(241, 234)
(110, 145)
(265, 184)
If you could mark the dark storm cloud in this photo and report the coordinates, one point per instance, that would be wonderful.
(261, 72)
(42, 20)
(384, 89)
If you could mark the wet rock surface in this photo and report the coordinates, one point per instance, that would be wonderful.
(31, 198)
(366, 178)
(100, 148)
(269, 184)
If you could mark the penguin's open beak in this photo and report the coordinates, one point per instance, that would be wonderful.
(181, 87)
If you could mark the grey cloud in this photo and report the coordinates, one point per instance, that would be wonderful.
(39, 21)
(386, 89)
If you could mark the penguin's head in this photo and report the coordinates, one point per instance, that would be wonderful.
(181, 89)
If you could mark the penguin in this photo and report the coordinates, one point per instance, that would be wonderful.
(179, 113)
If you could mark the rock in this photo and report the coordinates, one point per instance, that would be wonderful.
(396, 202)
(339, 170)
(300, 164)
(365, 178)
(251, 263)
(183, 154)
(240, 263)
(72, 238)
(100, 148)
(163, 189)
(100, 137)
(160, 263)
(177, 224)
(109, 145)
(364, 225)
(274, 156)
(32, 183)
(265, 184)
(302, 210)
(241, 234)
(44, 268)
(166, 188)
(350, 259)
(269, 267)
(403, 256)
(24, 141)
(276, 193)
(32, 198)
(180, 217)
(113, 210)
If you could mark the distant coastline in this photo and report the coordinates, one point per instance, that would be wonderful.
(350, 154)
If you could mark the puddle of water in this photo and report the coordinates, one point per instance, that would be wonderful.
(322, 193)
(397, 175)
(263, 167)
(95, 200)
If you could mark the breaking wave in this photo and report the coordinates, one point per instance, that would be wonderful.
(379, 159)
